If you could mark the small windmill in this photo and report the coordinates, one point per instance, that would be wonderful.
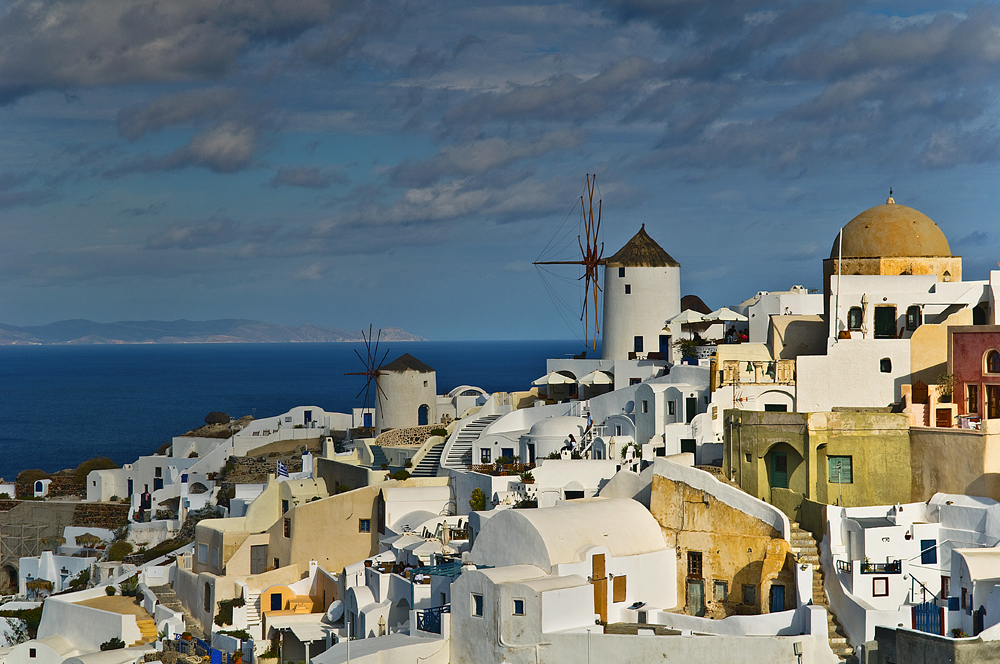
(591, 257)
(372, 363)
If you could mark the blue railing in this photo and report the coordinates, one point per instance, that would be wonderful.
(429, 620)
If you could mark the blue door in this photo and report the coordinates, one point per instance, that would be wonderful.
(367, 417)
(777, 598)
(927, 618)
(276, 601)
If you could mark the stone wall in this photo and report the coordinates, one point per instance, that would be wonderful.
(406, 437)
(61, 486)
(100, 515)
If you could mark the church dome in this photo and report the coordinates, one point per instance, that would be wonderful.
(892, 230)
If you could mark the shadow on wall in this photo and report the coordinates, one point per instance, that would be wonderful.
(986, 485)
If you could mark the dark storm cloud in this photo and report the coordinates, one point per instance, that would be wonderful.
(136, 121)
(47, 44)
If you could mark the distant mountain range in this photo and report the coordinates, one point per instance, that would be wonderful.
(233, 331)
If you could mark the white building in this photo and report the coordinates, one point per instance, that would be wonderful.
(406, 394)
(641, 291)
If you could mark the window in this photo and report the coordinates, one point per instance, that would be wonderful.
(913, 317)
(992, 362)
(158, 472)
(880, 586)
(31, 653)
(840, 470)
(618, 429)
(364, 525)
(945, 586)
(749, 594)
(287, 527)
(885, 365)
(207, 599)
(928, 552)
(215, 557)
(484, 455)
(993, 401)
(748, 457)
(965, 598)
(284, 506)
(721, 591)
(645, 406)
(775, 408)
(425, 383)
(972, 398)
(638, 344)
(277, 563)
(670, 408)
(202, 553)
(634, 381)
(694, 564)
(854, 317)
(621, 272)
(477, 605)
(518, 607)
(628, 289)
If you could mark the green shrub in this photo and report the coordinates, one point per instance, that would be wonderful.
(439, 432)
(110, 590)
(225, 614)
(119, 550)
(408, 464)
(400, 475)
(4, 496)
(97, 463)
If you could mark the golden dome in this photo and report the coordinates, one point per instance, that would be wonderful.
(891, 230)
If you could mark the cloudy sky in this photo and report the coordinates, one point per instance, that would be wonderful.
(403, 162)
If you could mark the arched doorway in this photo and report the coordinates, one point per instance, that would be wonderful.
(423, 415)
(782, 461)
(8, 579)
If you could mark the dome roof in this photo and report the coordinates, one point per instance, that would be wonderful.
(892, 230)
(641, 251)
(558, 427)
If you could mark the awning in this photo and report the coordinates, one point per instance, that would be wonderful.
(687, 317)
(597, 378)
(554, 378)
(725, 314)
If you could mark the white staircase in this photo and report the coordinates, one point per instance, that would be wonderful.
(458, 450)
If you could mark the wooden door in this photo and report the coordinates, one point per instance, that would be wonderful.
(258, 558)
(696, 598)
(885, 322)
(779, 470)
(943, 417)
(600, 586)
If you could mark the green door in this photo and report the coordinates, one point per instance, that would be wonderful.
(779, 470)
(885, 322)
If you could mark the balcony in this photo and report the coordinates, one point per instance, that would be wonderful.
(429, 620)
(888, 567)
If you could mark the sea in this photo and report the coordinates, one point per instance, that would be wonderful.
(62, 405)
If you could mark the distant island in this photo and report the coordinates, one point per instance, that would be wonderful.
(232, 331)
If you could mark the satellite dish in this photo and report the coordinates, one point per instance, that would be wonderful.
(335, 612)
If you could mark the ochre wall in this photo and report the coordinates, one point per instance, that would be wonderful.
(736, 547)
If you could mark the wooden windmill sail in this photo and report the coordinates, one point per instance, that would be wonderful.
(372, 363)
(591, 257)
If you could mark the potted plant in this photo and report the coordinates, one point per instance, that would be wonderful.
(527, 477)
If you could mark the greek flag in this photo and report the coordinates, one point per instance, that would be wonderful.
(282, 470)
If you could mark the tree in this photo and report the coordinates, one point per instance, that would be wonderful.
(478, 501)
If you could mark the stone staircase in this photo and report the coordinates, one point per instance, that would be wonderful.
(168, 598)
(148, 629)
(459, 454)
(428, 466)
(805, 550)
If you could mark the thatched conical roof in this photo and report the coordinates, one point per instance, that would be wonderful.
(406, 362)
(641, 251)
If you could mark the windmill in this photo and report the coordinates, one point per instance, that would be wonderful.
(372, 364)
(591, 257)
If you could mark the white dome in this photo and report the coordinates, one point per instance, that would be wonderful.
(556, 427)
